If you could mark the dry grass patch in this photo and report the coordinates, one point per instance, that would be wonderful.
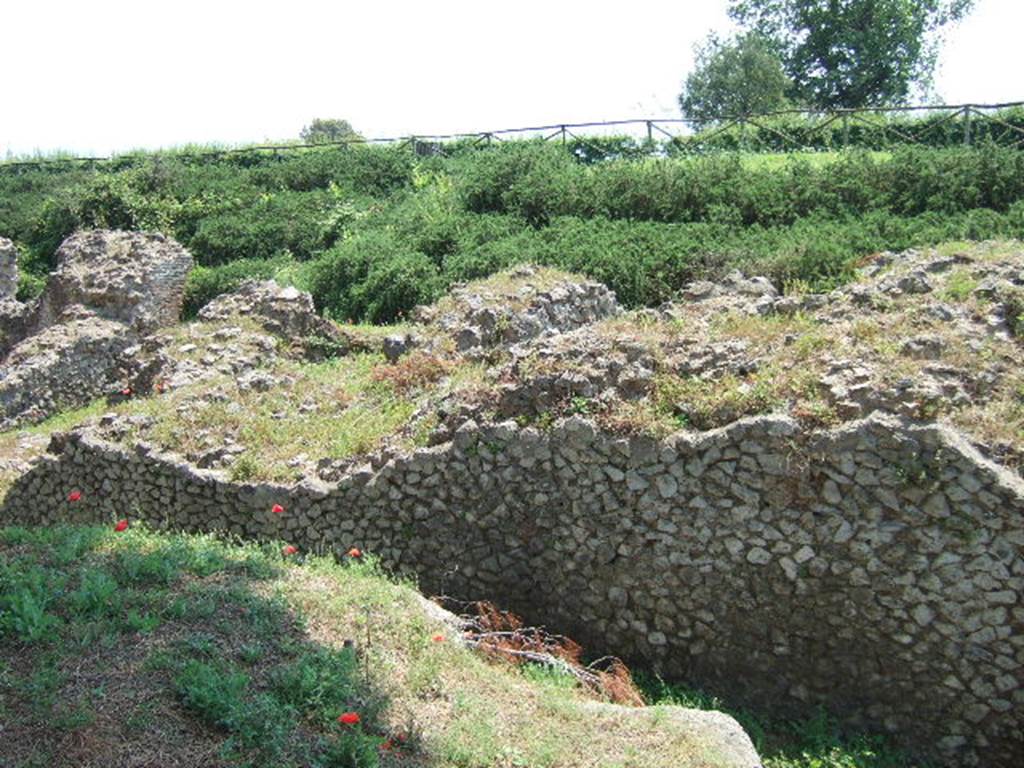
(339, 408)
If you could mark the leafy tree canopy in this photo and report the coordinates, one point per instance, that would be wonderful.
(852, 53)
(325, 130)
(737, 76)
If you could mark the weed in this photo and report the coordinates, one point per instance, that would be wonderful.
(959, 285)
(706, 404)
(244, 468)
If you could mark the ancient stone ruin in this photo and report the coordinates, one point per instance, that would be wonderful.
(135, 278)
(795, 500)
(75, 343)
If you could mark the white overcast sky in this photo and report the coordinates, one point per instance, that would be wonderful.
(96, 76)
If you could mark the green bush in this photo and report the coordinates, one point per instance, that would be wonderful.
(864, 130)
(373, 277)
(533, 180)
(373, 231)
(262, 228)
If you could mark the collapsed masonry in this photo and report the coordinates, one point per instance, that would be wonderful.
(76, 341)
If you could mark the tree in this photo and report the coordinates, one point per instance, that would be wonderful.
(737, 76)
(326, 130)
(852, 53)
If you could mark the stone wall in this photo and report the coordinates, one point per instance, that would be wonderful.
(876, 569)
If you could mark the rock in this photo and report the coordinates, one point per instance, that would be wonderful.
(759, 556)
(752, 286)
(285, 312)
(518, 306)
(923, 615)
(136, 278)
(397, 345)
(915, 282)
(258, 381)
(15, 322)
(667, 486)
(722, 741)
(468, 338)
(927, 347)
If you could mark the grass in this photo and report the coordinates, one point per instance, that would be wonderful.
(787, 357)
(333, 410)
(353, 405)
(179, 649)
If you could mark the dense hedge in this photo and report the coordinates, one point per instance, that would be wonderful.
(826, 132)
(371, 231)
(865, 130)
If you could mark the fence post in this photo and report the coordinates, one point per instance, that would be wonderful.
(846, 129)
(650, 133)
(563, 135)
(967, 125)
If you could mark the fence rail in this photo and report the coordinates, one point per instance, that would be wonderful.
(779, 131)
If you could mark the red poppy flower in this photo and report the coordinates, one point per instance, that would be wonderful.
(127, 391)
(74, 495)
(349, 718)
(122, 525)
(277, 509)
(289, 550)
(438, 638)
(355, 552)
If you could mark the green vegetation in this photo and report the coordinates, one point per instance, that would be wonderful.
(185, 649)
(854, 54)
(734, 76)
(373, 231)
(816, 742)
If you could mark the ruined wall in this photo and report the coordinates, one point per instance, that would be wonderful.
(876, 569)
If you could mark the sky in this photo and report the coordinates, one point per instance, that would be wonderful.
(106, 75)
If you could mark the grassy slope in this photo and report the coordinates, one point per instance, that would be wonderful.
(148, 649)
(156, 649)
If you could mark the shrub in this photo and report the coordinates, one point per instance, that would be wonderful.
(380, 230)
(372, 277)
(262, 228)
(532, 180)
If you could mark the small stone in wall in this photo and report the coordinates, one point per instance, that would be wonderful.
(759, 556)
